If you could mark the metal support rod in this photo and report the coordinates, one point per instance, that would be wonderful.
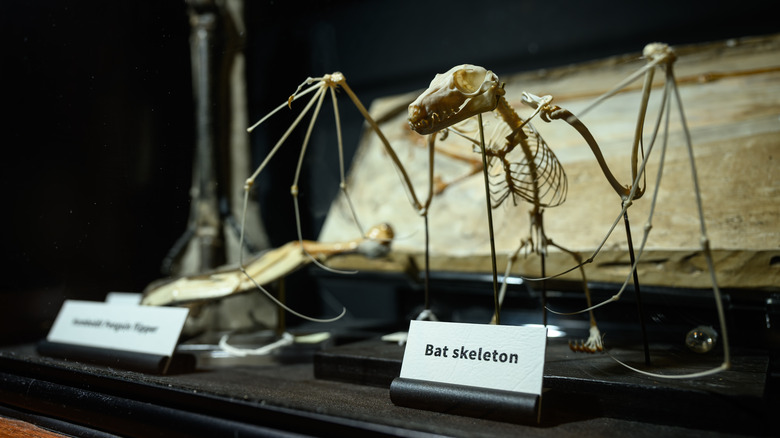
(490, 222)
(639, 308)
(427, 273)
(544, 286)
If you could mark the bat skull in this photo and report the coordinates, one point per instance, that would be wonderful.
(462, 92)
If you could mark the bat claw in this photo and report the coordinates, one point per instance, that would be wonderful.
(592, 345)
(580, 346)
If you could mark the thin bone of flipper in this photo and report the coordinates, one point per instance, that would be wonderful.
(705, 249)
(342, 174)
(319, 96)
(571, 119)
(288, 309)
(623, 84)
(726, 364)
(251, 179)
(627, 204)
(294, 97)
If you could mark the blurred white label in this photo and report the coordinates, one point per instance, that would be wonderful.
(140, 329)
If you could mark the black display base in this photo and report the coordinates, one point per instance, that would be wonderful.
(489, 404)
(286, 400)
(579, 385)
(126, 360)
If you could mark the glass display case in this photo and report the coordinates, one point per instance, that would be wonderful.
(128, 158)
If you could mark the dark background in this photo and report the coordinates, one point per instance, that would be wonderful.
(98, 120)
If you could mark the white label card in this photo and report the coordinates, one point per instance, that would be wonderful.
(509, 358)
(140, 329)
(128, 298)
